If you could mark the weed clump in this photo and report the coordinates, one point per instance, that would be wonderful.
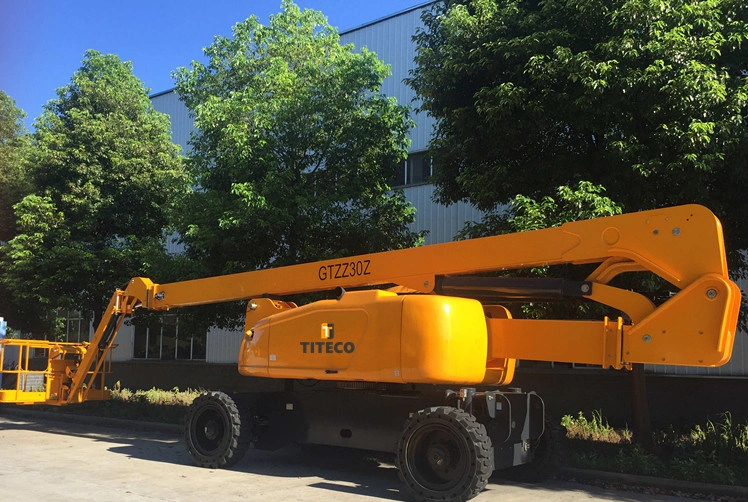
(716, 452)
(153, 396)
(594, 429)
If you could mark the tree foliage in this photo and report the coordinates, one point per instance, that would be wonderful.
(13, 148)
(646, 98)
(523, 213)
(104, 174)
(293, 148)
(14, 185)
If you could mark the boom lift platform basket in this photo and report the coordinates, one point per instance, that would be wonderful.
(40, 371)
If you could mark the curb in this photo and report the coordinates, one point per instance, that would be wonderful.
(739, 492)
(111, 422)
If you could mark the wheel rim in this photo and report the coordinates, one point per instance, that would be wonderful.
(437, 457)
(209, 431)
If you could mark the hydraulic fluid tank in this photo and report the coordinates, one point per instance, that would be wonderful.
(372, 336)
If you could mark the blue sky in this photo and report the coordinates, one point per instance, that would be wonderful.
(42, 42)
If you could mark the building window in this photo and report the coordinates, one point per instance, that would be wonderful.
(77, 327)
(164, 338)
(415, 170)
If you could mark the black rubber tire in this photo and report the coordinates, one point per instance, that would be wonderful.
(215, 432)
(444, 454)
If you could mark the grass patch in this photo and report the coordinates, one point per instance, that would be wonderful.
(715, 452)
(154, 405)
(594, 429)
(173, 397)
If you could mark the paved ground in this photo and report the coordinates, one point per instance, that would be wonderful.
(43, 459)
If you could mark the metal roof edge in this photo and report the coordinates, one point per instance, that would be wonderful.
(385, 18)
(161, 93)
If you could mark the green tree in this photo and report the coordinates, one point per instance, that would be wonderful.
(524, 213)
(293, 149)
(14, 185)
(646, 98)
(13, 148)
(585, 201)
(105, 175)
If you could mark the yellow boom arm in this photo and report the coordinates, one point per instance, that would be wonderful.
(683, 245)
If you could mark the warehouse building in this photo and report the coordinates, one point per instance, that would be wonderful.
(171, 354)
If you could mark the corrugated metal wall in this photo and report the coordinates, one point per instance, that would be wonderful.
(181, 128)
(223, 345)
(391, 39)
(441, 222)
(181, 123)
(124, 344)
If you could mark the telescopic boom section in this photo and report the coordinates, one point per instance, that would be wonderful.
(680, 244)
(683, 245)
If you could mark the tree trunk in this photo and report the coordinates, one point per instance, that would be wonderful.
(640, 407)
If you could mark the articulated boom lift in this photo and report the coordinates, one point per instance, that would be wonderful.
(415, 356)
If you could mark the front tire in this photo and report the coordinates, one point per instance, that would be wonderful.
(444, 454)
(215, 432)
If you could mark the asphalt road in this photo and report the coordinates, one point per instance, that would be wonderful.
(46, 459)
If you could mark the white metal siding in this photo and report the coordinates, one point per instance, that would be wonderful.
(182, 126)
(391, 40)
(223, 345)
(181, 123)
(441, 222)
(124, 343)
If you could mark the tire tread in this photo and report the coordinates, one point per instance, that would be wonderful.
(474, 431)
(239, 430)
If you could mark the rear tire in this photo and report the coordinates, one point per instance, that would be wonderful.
(215, 432)
(444, 454)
